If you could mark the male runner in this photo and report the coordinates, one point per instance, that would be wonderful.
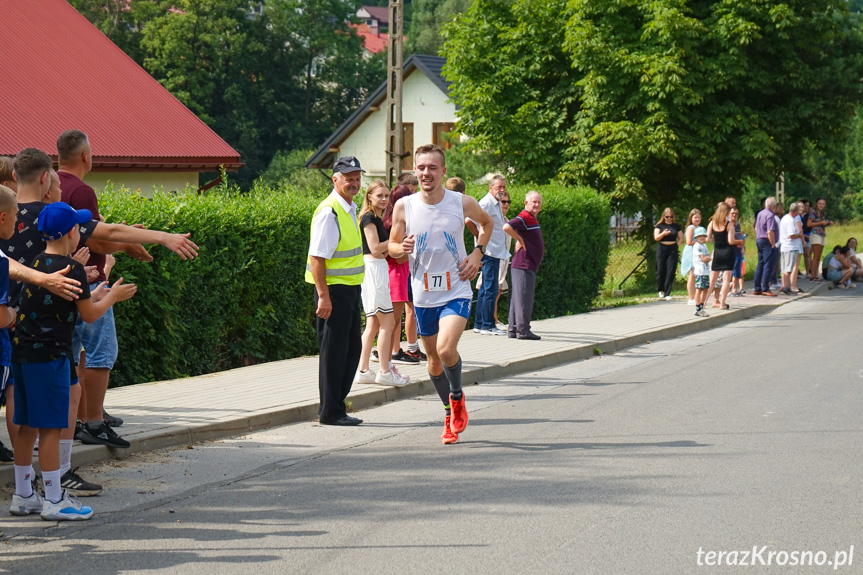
(429, 228)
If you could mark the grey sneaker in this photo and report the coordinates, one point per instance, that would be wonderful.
(495, 331)
(26, 505)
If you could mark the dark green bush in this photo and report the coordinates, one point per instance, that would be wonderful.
(244, 300)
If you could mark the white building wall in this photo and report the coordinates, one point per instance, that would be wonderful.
(423, 104)
(144, 182)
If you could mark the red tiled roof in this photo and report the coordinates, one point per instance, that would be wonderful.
(372, 42)
(63, 73)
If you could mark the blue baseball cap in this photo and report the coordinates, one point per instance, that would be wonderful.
(55, 220)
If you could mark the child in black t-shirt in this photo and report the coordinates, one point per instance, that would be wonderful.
(41, 355)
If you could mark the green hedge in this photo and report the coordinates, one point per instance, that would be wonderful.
(244, 300)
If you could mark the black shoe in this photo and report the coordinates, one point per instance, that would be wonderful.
(374, 356)
(346, 421)
(402, 357)
(417, 354)
(531, 336)
(111, 420)
(104, 435)
(6, 454)
(80, 431)
(75, 485)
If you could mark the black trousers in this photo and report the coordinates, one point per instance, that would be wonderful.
(341, 346)
(666, 267)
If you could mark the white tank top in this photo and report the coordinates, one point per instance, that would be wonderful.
(439, 250)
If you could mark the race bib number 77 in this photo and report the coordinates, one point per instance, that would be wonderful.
(436, 282)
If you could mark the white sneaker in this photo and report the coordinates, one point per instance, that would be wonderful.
(390, 379)
(668, 298)
(393, 369)
(477, 330)
(67, 509)
(690, 302)
(496, 331)
(364, 377)
(661, 294)
(26, 505)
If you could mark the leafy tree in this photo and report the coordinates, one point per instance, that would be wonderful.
(122, 20)
(514, 82)
(655, 101)
(427, 18)
(288, 171)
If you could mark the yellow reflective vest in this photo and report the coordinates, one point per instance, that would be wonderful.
(346, 266)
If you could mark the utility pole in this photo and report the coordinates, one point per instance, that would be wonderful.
(395, 135)
(780, 188)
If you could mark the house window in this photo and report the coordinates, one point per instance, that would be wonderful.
(438, 131)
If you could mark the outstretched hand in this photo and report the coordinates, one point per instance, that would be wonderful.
(181, 245)
(123, 291)
(58, 284)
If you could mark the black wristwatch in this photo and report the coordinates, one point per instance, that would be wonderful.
(481, 248)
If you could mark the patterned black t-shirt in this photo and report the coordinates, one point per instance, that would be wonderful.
(46, 322)
(26, 243)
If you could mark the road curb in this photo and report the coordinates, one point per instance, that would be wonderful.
(367, 396)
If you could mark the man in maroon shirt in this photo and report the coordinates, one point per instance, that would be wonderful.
(99, 339)
(529, 250)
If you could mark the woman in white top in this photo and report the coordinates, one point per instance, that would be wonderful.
(686, 262)
(839, 270)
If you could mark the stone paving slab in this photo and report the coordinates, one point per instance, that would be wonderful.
(183, 411)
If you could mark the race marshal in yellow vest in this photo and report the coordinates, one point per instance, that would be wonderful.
(335, 267)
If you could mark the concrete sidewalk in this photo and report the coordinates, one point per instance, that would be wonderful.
(180, 412)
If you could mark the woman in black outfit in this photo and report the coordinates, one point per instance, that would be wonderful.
(723, 250)
(669, 236)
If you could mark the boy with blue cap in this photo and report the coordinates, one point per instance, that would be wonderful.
(41, 356)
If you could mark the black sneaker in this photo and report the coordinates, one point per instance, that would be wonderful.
(111, 420)
(402, 357)
(80, 431)
(104, 435)
(6, 454)
(417, 354)
(75, 485)
(374, 356)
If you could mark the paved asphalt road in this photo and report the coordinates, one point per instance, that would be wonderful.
(745, 436)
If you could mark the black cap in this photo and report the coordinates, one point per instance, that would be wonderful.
(346, 165)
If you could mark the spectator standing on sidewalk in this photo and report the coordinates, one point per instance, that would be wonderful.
(775, 257)
(99, 338)
(723, 252)
(739, 253)
(790, 246)
(495, 252)
(686, 260)
(669, 236)
(502, 284)
(377, 300)
(766, 236)
(817, 235)
(529, 251)
(700, 269)
(335, 267)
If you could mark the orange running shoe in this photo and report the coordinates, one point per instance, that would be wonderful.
(459, 414)
(448, 436)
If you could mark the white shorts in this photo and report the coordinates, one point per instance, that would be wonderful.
(817, 240)
(376, 287)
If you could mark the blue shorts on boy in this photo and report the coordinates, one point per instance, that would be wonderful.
(428, 318)
(702, 282)
(41, 350)
(41, 393)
